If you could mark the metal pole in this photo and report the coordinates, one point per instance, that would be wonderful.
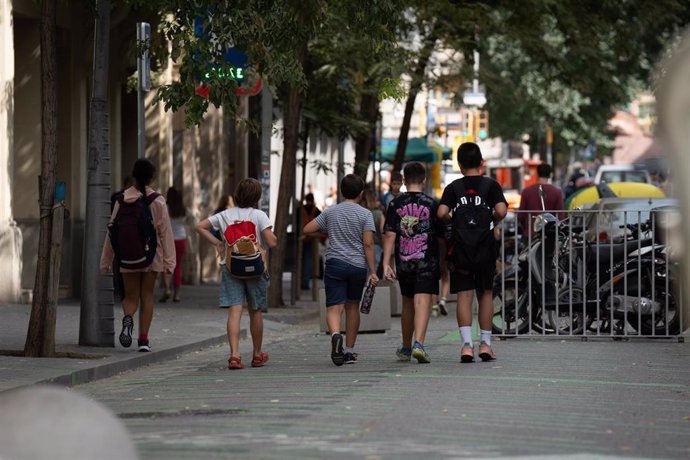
(141, 124)
(144, 84)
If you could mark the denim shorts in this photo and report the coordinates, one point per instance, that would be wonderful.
(253, 291)
(344, 282)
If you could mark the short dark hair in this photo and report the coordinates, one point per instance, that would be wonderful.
(351, 186)
(469, 155)
(248, 193)
(414, 173)
(309, 197)
(396, 176)
(544, 170)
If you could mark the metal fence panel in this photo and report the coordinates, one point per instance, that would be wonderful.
(593, 274)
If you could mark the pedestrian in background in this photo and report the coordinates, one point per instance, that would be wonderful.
(224, 202)
(413, 231)
(372, 203)
(395, 186)
(530, 199)
(350, 229)
(235, 292)
(474, 204)
(178, 218)
(139, 283)
(308, 212)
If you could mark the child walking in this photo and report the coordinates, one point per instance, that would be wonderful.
(178, 216)
(139, 283)
(474, 204)
(412, 229)
(350, 229)
(234, 292)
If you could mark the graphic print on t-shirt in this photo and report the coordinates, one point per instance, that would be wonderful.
(414, 227)
(412, 217)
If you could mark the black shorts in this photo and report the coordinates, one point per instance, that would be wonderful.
(412, 283)
(478, 280)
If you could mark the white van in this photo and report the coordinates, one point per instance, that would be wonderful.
(621, 173)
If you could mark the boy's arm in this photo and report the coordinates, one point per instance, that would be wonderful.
(388, 243)
(203, 228)
(312, 229)
(368, 238)
(443, 213)
(500, 211)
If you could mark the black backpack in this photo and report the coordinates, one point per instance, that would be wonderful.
(133, 234)
(472, 241)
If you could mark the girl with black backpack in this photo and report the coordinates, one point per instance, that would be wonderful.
(140, 238)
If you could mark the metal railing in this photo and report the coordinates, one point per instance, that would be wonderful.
(588, 273)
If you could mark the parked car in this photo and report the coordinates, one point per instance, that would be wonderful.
(621, 173)
(607, 219)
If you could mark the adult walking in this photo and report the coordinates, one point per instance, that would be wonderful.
(139, 207)
(531, 200)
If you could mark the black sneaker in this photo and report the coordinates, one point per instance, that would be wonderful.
(144, 345)
(442, 308)
(350, 358)
(337, 355)
(126, 334)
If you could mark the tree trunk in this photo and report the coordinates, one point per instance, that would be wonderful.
(96, 315)
(298, 231)
(39, 323)
(364, 142)
(286, 189)
(415, 86)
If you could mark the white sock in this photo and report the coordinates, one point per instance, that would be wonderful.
(486, 336)
(466, 334)
(349, 350)
(335, 333)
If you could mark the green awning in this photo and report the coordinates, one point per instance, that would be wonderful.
(417, 150)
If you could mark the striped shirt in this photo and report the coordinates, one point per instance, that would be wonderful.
(345, 223)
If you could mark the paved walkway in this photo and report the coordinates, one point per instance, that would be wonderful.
(542, 399)
(177, 328)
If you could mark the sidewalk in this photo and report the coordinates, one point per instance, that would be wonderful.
(177, 328)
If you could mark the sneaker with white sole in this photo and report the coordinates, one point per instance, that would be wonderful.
(404, 354)
(126, 334)
(337, 355)
(350, 358)
(420, 354)
(144, 345)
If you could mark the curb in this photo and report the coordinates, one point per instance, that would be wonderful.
(107, 370)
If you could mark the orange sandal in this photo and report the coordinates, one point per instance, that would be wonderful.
(235, 362)
(260, 360)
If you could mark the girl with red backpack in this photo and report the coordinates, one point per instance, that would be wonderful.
(140, 238)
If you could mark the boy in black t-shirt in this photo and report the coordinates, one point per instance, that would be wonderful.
(412, 229)
(479, 278)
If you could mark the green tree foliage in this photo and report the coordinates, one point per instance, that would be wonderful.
(570, 63)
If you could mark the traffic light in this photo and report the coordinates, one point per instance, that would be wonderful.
(481, 125)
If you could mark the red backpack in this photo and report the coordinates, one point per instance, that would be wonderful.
(244, 256)
(133, 233)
